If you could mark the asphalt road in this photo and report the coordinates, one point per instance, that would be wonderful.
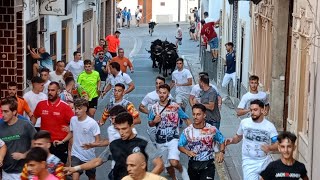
(135, 41)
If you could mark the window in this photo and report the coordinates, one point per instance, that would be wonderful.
(79, 38)
(162, 4)
(53, 44)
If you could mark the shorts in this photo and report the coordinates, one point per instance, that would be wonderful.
(10, 176)
(102, 85)
(93, 103)
(182, 99)
(202, 174)
(169, 151)
(91, 173)
(192, 30)
(61, 151)
(214, 43)
(113, 54)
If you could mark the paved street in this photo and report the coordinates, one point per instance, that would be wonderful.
(135, 41)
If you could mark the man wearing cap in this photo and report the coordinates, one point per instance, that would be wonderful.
(98, 48)
(113, 43)
(36, 95)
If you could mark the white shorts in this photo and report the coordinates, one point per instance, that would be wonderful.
(10, 176)
(169, 151)
(102, 85)
(227, 78)
(252, 168)
(182, 99)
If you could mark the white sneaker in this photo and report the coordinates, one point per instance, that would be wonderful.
(184, 173)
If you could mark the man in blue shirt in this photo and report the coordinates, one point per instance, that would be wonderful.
(231, 66)
(101, 63)
(197, 141)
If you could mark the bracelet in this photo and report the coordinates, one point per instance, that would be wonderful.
(77, 168)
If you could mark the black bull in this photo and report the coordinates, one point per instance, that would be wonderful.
(163, 56)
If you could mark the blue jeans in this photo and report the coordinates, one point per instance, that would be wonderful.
(214, 43)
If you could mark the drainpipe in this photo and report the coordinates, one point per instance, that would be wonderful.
(179, 6)
(235, 24)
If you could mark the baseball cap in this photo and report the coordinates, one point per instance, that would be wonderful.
(37, 79)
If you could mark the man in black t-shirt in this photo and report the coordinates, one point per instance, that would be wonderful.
(121, 148)
(286, 168)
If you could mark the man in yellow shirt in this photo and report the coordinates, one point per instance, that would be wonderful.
(136, 166)
(89, 80)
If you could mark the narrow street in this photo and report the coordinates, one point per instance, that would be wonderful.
(135, 41)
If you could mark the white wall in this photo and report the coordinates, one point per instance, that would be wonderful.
(244, 19)
(130, 4)
(54, 24)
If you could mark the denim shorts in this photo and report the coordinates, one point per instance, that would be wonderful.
(214, 43)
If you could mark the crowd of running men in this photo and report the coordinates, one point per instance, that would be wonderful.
(50, 133)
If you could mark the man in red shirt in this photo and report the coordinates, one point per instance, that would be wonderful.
(209, 34)
(98, 48)
(113, 43)
(55, 118)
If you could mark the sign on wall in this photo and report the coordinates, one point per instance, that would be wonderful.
(53, 7)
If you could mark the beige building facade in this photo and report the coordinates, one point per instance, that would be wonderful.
(286, 57)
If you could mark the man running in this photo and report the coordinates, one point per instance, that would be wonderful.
(98, 48)
(137, 169)
(286, 167)
(178, 36)
(182, 80)
(197, 141)
(165, 115)
(259, 139)
(75, 66)
(116, 76)
(58, 74)
(42, 139)
(120, 149)
(34, 96)
(22, 103)
(118, 100)
(124, 62)
(17, 135)
(209, 98)
(55, 116)
(254, 93)
(231, 66)
(113, 43)
(101, 63)
(90, 81)
(196, 90)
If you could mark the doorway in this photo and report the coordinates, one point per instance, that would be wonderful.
(32, 41)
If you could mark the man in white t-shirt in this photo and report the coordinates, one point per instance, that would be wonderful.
(115, 77)
(36, 95)
(259, 139)
(84, 130)
(182, 80)
(196, 90)
(253, 94)
(152, 97)
(44, 74)
(58, 74)
(76, 66)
